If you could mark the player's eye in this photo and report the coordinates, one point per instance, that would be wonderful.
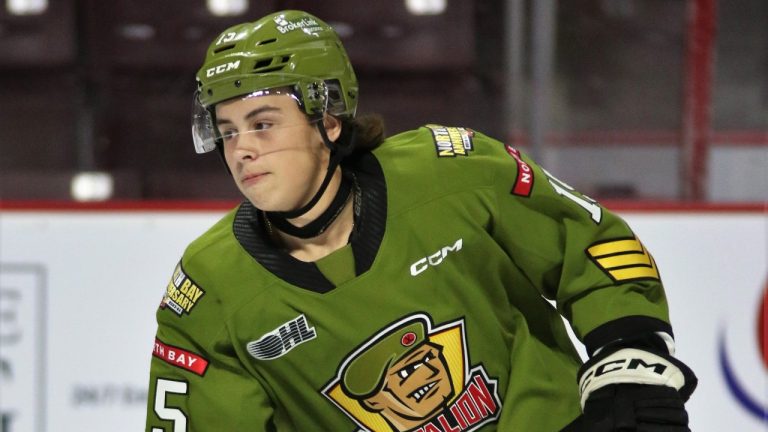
(262, 125)
(228, 134)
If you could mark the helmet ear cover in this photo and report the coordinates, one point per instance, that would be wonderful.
(205, 135)
(314, 97)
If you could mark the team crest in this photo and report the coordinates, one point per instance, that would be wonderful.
(412, 377)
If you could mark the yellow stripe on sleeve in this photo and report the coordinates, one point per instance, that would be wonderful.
(623, 260)
(618, 246)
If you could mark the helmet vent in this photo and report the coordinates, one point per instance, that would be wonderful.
(223, 48)
(271, 69)
(262, 63)
(270, 64)
(266, 41)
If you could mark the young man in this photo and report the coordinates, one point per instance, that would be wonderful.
(400, 284)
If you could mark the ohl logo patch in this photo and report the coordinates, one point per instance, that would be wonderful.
(412, 377)
(735, 385)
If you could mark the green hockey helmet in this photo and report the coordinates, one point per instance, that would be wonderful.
(285, 50)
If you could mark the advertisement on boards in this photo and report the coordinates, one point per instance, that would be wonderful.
(79, 290)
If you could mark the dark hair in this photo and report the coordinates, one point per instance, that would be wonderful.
(368, 132)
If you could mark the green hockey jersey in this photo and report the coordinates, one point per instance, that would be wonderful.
(437, 316)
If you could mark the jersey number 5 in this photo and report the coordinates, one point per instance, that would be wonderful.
(162, 388)
(587, 203)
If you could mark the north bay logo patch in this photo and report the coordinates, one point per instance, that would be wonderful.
(452, 141)
(525, 176)
(412, 377)
(179, 357)
(182, 294)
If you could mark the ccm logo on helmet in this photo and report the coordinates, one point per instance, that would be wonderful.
(222, 68)
(434, 259)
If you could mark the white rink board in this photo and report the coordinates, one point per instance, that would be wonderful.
(79, 289)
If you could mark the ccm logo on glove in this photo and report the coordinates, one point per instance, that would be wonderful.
(630, 366)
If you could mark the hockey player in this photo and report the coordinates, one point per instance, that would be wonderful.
(399, 284)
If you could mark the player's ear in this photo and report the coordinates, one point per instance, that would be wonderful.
(332, 127)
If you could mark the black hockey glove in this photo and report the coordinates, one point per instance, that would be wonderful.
(629, 389)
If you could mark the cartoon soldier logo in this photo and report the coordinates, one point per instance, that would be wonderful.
(409, 377)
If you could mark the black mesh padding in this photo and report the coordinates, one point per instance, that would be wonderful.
(372, 221)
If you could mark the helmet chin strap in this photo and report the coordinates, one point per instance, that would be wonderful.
(319, 225)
